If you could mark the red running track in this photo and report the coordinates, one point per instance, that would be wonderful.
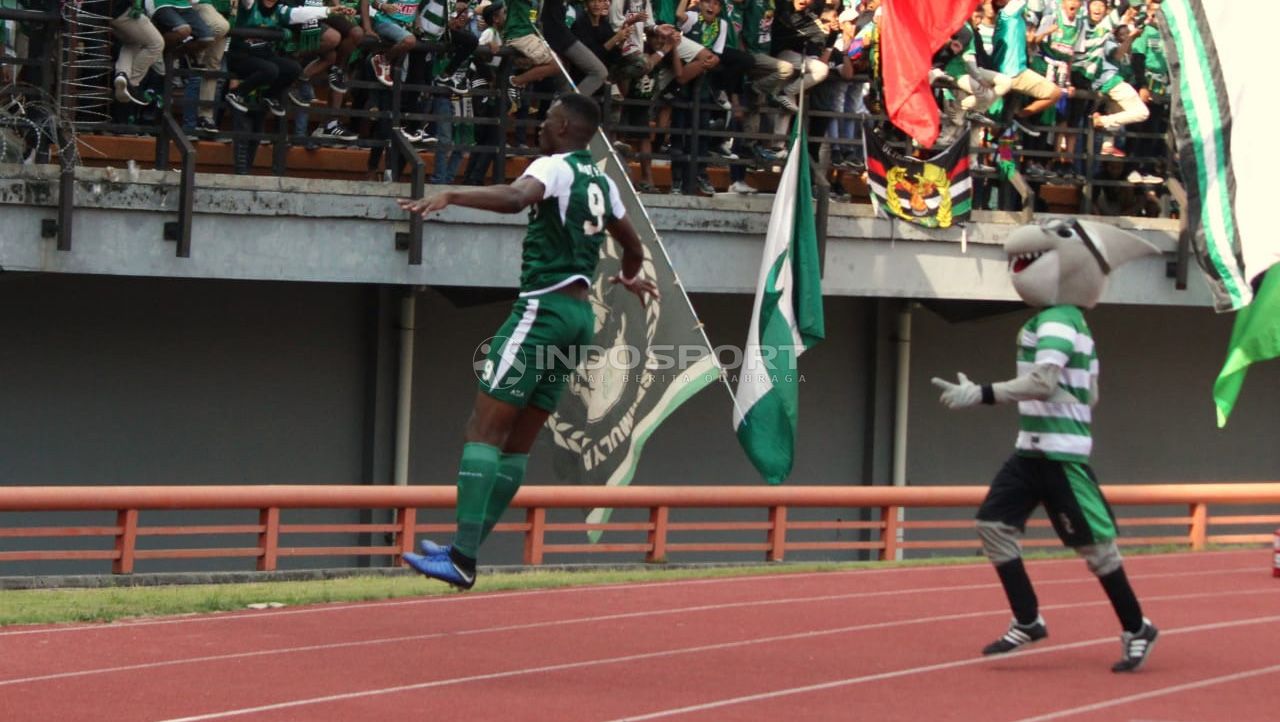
(888, 644)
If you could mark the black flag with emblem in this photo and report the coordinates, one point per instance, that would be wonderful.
(644, 363)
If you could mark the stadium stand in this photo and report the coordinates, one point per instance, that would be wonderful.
(1063, 103)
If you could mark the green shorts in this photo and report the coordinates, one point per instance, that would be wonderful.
(529, 359)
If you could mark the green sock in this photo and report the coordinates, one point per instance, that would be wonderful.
(510, 474)
(476, 475)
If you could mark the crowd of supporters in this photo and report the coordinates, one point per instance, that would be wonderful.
(1026, 80)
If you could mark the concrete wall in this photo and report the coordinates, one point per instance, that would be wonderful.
(288, 229)
(111, 380)
(117, 380)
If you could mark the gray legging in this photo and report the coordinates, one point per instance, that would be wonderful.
(586, 61)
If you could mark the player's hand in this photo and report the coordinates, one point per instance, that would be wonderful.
(341, 10)
(959, 395)
(425, 206)
(389, 9)
(643, 288)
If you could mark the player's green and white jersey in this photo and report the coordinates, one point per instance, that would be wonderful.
(433, 18)
(1067, 42)
(566, 227)
(1097, 36)
(1059, 336)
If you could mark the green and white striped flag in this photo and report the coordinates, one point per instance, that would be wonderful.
(1222, 103)
(785, 320)
(1212, 51)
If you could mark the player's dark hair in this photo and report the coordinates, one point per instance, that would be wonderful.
(584, 112)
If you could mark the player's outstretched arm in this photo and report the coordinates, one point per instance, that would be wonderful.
(513, 198)
(632, 260)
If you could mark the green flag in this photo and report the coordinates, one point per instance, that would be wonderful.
(1255, 337)
(785, 320)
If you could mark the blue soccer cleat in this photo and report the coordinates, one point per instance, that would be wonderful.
(442, 568)
(431, 549)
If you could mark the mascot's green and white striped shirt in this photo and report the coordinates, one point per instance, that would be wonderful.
(1059, 336)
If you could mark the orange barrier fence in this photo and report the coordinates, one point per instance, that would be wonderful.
(883, 532)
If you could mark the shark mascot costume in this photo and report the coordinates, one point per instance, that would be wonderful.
(1061, 268)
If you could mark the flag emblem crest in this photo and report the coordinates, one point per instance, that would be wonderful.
(931, 192)
(927, 193)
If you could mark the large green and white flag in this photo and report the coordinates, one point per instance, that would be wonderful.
(1229, 160)
(785, 320)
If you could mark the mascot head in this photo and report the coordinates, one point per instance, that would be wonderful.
(1068, 261)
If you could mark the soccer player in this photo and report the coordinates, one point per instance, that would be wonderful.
(572, 204)
(1061, 268)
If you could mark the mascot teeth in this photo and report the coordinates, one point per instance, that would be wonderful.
(1022, 260)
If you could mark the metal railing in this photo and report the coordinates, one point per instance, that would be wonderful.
(882, 533)
(693, 143)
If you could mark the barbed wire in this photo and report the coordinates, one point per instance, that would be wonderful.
(87, 62)
(32, 124)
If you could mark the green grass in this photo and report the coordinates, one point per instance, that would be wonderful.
(52, 606)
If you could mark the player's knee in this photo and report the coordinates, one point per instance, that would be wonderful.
(1102, 558)
(999, 541)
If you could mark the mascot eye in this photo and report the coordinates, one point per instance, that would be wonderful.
(1064, 232)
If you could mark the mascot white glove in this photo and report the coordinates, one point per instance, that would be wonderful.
(960, 395)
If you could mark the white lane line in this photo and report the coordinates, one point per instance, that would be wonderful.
(479, 597)
(703, 648)
(464, 598)
(1155, 693)
(921, 670)
(558, 622)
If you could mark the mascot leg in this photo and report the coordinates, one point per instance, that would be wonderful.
(1001, 542)
(1105, 562)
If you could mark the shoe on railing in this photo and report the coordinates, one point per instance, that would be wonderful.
(126, 92)
(381, 69)
(274, 106)
(334, 129)
(236, 101)
(337, 79)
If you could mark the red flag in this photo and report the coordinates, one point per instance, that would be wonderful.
(911, 31)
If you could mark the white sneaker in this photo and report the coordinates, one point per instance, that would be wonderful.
(413, 136)
(742, 187)
(725, 150)
(1152, 180)
(1134, 177)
